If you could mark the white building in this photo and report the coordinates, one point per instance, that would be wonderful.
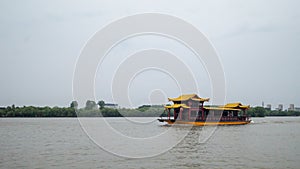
(292, 107)
(269, 106)
(280, 107)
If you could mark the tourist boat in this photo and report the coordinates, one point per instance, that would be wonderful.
(190, 109)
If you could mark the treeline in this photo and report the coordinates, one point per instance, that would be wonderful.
(91, 110)
(99, 110)
(31, 111)
(123, 112)
(262, 112)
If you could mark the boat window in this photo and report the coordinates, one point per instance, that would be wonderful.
(225, 113)
(193, 113)
(235, 113)
(218, 113)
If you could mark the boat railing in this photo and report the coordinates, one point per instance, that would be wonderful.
(223, 118)
(214, 118)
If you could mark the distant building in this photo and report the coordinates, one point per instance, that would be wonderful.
(111, 105)
(280, 107)
(292, 107)
(297, 108)
(269, 106)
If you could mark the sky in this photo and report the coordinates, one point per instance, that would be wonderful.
(257, 42)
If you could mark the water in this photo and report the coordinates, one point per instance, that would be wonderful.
(272, 142)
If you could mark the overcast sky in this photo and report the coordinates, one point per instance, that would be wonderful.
(257, 42)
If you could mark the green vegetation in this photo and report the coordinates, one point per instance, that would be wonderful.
(30, 111)
(91, 110)
(101, 104)
(262, 112)
(257, 112)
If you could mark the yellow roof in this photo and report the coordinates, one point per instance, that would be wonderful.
(185, 97)
(177, 106)
(201, 99)
(236, 106)
(219, 108)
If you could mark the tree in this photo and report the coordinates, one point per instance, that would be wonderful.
(74, 104)
(257, 112)
(89, 105)
(101, 104)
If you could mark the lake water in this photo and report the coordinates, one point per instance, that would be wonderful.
(272, 142)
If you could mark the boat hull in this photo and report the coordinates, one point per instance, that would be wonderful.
(205, 123)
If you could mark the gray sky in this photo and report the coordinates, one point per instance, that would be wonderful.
(257, 42)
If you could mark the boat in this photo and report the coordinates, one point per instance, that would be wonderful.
(189, 109)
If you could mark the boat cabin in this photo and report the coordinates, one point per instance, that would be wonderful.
(186, 107)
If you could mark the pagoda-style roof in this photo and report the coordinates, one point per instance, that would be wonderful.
(236, 106)
(177, 106)
(186, 97)
(219, 108)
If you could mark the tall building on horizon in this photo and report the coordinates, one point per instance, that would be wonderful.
(280, 107)
(292, 107)
(269, 106)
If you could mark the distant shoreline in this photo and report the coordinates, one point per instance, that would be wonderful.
(142, 111)
(105, 117)
(71, 112)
